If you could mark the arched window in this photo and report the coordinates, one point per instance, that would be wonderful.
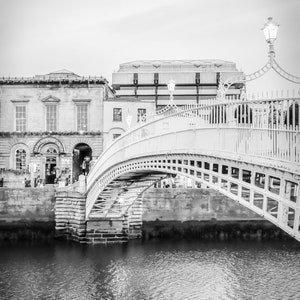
(20, 159)
(51, 150)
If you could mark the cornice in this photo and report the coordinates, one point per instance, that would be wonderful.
(20, 101)
(50, 99)
(81, 100)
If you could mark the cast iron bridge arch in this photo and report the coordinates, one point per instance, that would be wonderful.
(247, 150)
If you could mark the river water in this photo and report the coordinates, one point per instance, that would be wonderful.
(151, 270)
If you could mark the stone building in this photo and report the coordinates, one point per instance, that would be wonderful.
(61, 121)
(51, 124)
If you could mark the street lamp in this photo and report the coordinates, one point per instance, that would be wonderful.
(270, 30)
(171, 88)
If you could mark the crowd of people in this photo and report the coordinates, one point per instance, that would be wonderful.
(60, 177)
(63, 179)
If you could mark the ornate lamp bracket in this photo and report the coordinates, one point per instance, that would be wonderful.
(224, 86)
(285, 74)
(270, 31)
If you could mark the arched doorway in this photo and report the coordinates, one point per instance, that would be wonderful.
(47, 159)
(82, 155)
(51, 155)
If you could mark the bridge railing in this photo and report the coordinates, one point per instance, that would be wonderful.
(267, 128)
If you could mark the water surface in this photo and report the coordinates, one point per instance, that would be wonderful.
(151, 270)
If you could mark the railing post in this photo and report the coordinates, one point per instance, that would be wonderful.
(220, 174)
(240, 181)
(252, 183)
(296, 222)
(266, 188)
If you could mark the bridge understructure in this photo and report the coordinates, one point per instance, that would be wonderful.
(247, 150)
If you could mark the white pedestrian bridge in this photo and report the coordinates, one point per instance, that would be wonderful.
(247, 150)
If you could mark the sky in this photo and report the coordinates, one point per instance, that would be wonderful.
(93, 37)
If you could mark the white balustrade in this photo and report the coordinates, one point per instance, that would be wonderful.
(265, 130)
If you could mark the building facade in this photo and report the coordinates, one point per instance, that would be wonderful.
(51, 124)
(141, 89)
(60, 122)
(195, 80)
(122, 114)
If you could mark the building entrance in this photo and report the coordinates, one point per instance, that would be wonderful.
(82, 155)
(50, 170)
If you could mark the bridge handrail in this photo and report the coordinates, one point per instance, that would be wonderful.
(270, 107)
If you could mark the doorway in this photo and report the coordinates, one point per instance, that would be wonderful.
(50, 170)
(81, 153)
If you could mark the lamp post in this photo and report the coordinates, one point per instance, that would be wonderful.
(171, 88)
(270, 30)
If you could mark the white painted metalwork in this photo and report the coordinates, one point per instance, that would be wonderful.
(270, 31)
(257, 139)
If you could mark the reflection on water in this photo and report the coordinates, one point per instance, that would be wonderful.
(151, 270)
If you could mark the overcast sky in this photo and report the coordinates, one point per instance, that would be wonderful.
(93, 37)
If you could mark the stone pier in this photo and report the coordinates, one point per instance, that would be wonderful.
(70, 215)
(71, 222)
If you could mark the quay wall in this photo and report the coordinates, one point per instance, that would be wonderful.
(201, 213)
(29, 213)
(189, 204)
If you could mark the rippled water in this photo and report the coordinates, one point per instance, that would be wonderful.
(151, 270)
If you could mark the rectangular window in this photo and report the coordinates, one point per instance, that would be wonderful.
(51, 117)
(140, 113)
(117, 114)
(116, 135)
(21, 118)
(82, 115)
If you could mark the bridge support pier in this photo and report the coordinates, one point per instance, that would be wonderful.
(71, 223)
(133, 219)
(106, 230)
(70, 215)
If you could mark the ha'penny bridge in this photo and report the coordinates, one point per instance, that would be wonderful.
(248, 150)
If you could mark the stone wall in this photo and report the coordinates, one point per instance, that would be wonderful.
(29, 213)
(180, 204)
(14, 178)
(70, 215)
(202, 214)
(26, 213)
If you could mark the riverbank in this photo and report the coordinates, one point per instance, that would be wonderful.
(29, 214)
(200, 230)
(213, 230)
(27, 230)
